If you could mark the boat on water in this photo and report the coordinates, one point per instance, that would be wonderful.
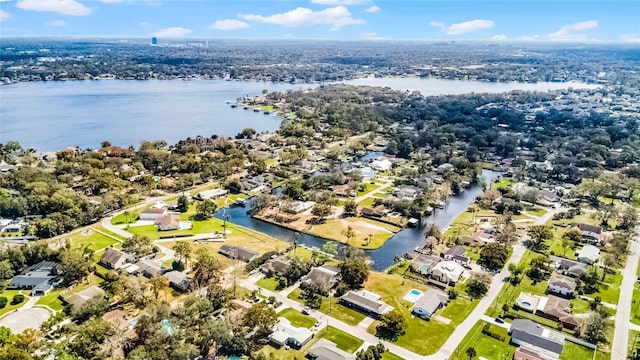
(413, 222)
(228, 102)
(256, 110)
(234, 105)
(245, 107)
(266, 112)
(241, 202)
(439, 204)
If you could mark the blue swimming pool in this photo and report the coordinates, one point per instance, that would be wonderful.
(526, 303)
(167, 326)
(185, 225)
(413, 295)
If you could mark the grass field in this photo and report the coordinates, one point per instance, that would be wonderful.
(363, 227)
(368, 202)
(334, 309)
(343, 341)
(573, 351)
(296, 318)
(269, 283)
(537, 212)
(129, 217)
(389, 356)
(485, 346)
(93, 239)
(610, 290)
(51, 300)
(9, 294)
(367, 188)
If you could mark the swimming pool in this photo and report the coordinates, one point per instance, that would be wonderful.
(526, 303)
(167, 326)
(413, 295)
(185, 225)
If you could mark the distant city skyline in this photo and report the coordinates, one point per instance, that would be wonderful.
(454, 20)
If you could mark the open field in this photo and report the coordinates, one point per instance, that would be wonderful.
(363, 227)
(91, 238)
(485, 346)
(343, 341)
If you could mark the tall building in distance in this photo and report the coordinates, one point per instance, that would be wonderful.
(154, 41)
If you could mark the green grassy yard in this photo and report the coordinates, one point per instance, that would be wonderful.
(389, 356)
(485, 346)
(51, 300)
(93, 239)
(296, 318)
(573, 351)
(368, 188)
(343, 341)
(9, 294)
(129, 217)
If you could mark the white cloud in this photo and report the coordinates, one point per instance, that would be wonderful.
(499, 37)
(173, 32)
(229, 24)
(4, 15)
(436, 24)
(372, 9)
(573, 32)
(144, 23)
(469, 26)
(630, 38)
(338, 2)
(111, 1)
(66, 7)
(55, 23)
(336, 17)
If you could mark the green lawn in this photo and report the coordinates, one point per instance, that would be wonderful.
(296, 318)
(368, 202)
(389, 356)
(633, 342)
(504, 183)
(9, 294)
(269, 283)
(537, 212)
(459, 309)
(129, 217)
(368, 188)
(555, 248)
(635, 305)
(51, 300)
(579, 306)
(334, 309)
(343, 341)
(485, 346)
(93, 239)
(573, 351)
(610, 290)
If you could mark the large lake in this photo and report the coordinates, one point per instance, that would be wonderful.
(51, 116)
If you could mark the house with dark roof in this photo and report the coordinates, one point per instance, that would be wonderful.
(591, 234)
(237, 252)
(456, 253)
(366, 302)
(178, 280)
(38, 278)
(423, 263)
(562, 285)
(279, 265)
(324, 349)
(113, 258)
(568, 267)
(533, 336)
(429, 302)
(376, 212)
(322, 276)
(148, 268)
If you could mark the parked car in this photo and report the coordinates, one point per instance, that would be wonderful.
(306, 310)
(499, 321)
(317, 324)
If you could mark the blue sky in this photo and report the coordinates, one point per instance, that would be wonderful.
(506, 20)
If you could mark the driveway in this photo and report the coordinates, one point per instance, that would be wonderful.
(26, 317)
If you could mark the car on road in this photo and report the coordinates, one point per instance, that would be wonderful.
(317, 324)
(499, 321)
(306, 310)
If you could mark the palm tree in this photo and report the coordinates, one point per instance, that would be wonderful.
(471, 352)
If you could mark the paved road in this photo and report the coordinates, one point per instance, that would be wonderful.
(26, 317)
(623, 316)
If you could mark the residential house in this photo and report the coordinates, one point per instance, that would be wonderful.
(38, 278)
(429, 302)
(425, 181)
(456, 253)
(593, 234)
(324, 277)
(377, 212)
(447, 272)
(279, 265)
(381, 165)
(168, 222)
(81, 297)
(148, 268)
(366, 302)
(424, 263)
(152, 214)
(406, 192)
(286, 334)
(568, 267)
(589, 254)
(238, 252)
(524, 353)
(559, 310)
(324, 349)
(444, 168)
(547, 343)
(113, 258)
(213, 193)
(562, 285)
(343, 190)
(528, 302)
(178, 280)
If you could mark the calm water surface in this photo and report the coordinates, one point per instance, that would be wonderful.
(51, 116)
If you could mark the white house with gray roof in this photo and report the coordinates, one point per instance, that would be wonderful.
(545, 342)
(428, 303)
